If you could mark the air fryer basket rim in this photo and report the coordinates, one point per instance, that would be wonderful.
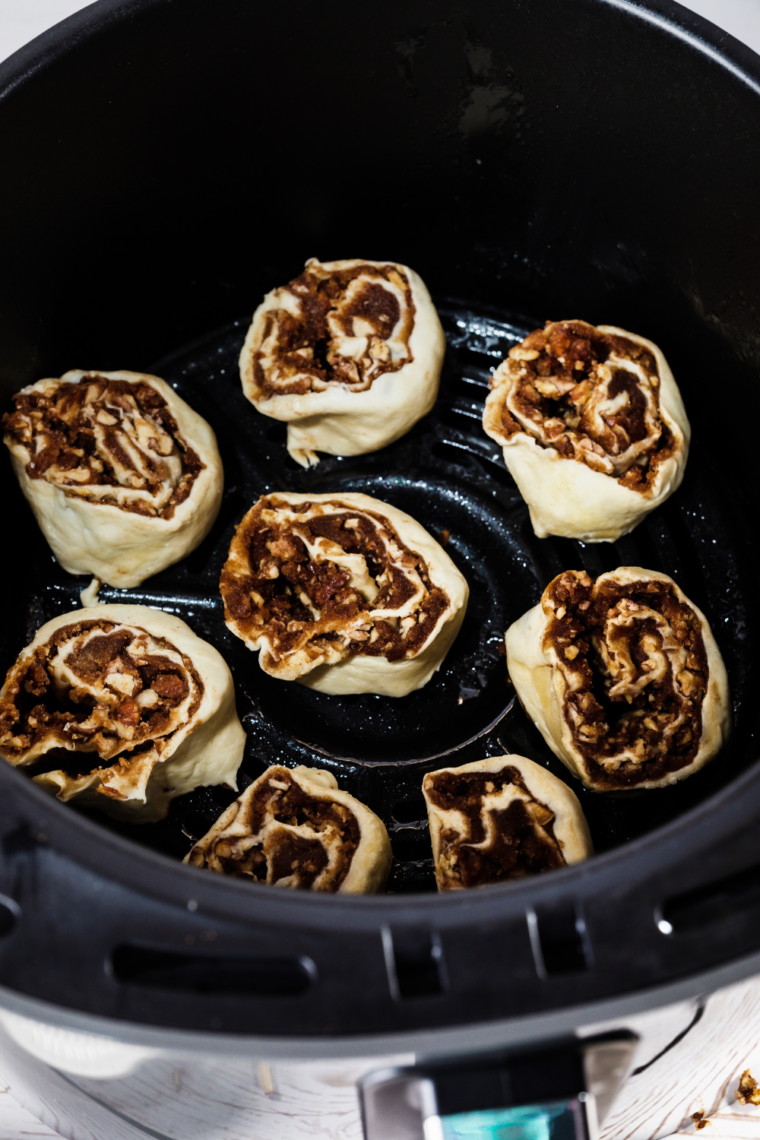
(673, 17)
(472, 1038)
(35, 827)
(48, 822)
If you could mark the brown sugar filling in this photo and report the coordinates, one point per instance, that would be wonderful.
(557, 389)
(139, 687)
(101, 433)
(645, 722)
(269, 852)
(299, 354)
(523, 840)
(273, 589)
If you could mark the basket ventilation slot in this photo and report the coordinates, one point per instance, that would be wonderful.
(559, 940)
(415, 962)
(205, 974)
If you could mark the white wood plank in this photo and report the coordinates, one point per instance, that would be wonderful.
(18, 1124)
(696, 1074)
(202, 1100)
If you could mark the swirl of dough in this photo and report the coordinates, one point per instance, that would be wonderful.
(593, 428)
(295, 828)
(123, 476)
(622, 677)
(343, 593)
(349, 354)
(122, 708)
(501, 818)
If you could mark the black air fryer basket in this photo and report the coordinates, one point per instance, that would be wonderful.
(166, 164)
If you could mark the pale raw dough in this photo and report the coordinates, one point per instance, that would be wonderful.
(337, 419)
(569, 824)
(90, 595)
(204, 748)
(371, 860)
(541, 686)
(118, 546)
(565, 496)
(331, 671)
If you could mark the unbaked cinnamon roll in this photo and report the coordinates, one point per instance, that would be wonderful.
(123, 476)
(349, 354)
(501, 818)
(293, 827)
(593, 428)
(343, 593)
(622, 677)
(121, 708)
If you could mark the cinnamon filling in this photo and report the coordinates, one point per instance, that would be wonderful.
(290, 838)
(96, 687)
(326, 581)
(348, 327)
(109, 441)
(636, 669)
(593, 397)
(500, 843)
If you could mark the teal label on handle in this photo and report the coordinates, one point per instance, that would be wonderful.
(552, 1121)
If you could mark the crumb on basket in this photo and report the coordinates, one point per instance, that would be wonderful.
(748, 1092)
(699, 1119)
(444, 536)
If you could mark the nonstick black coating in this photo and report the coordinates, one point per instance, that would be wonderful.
(450, 476)
(164, 165)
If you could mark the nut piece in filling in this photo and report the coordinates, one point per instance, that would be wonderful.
(622, 677)
(121, 708)
(501, 818)
(295, 828)
(593, 428)
(123, 476)
(343, 593)
(349, 354)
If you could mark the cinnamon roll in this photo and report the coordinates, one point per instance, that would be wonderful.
(593, 428)
(123, 476)
(293, 827)
(121, 708)
(622, 677)
(501, 818)
(349, 354)
(343, 593)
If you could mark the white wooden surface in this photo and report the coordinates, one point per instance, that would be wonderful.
(215, 1099)
(701, 1074)
(319, 1102)
(18, 1124)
